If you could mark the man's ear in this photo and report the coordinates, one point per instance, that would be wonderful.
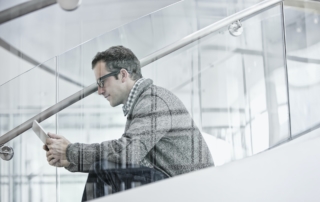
(124, 75)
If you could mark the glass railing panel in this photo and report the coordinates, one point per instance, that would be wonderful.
(160, 28)
(243, 97)
(303, 43)
(27, 176)
(59, 31)
(234, 88)
(212, 11)
(91, 120)
(179, 73)
(144, 36)
(63, 30)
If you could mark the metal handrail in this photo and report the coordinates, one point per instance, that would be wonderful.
(242, 15)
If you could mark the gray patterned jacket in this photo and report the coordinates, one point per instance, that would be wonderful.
(159, 134)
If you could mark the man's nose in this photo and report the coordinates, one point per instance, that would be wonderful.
(100, 90)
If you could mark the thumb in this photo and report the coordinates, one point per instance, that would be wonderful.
(45, 147)
(54, 136)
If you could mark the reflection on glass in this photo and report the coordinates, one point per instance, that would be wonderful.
(156, 140)
(302, 32)
(27, 176)
(232, 89)
(244, 102)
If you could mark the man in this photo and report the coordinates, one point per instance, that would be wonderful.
(160, 138)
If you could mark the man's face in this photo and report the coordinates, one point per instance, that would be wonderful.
(113, 89)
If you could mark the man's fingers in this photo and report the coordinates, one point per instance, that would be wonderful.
(45, 147)
(49, 141)
(56, 163)
(53, 161)
(50, 146)
(49, 158)
(48, 153)
(54, 148)
(53, 153)
(54, 136)
(56, 153)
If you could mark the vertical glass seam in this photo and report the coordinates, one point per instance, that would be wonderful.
(266, 74)
(285, 65)
(21, 143)
(192, 83)
(57, 100)
(1, 177)
(246, 102)
(199, 66)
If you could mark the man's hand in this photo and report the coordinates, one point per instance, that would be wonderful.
(56, 148)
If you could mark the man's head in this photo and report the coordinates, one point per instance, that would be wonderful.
(117, 58)
(122, 69)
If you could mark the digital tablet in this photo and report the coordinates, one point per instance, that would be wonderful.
(41, 133)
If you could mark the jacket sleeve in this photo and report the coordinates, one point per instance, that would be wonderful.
(149, 122)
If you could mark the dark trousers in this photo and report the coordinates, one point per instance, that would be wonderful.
(106, 177)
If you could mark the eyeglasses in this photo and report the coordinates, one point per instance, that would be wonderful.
(100, 81)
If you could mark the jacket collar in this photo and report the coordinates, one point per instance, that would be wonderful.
(133, 93)
(140, 89)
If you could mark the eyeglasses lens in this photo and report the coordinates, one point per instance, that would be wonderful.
(100, 83)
